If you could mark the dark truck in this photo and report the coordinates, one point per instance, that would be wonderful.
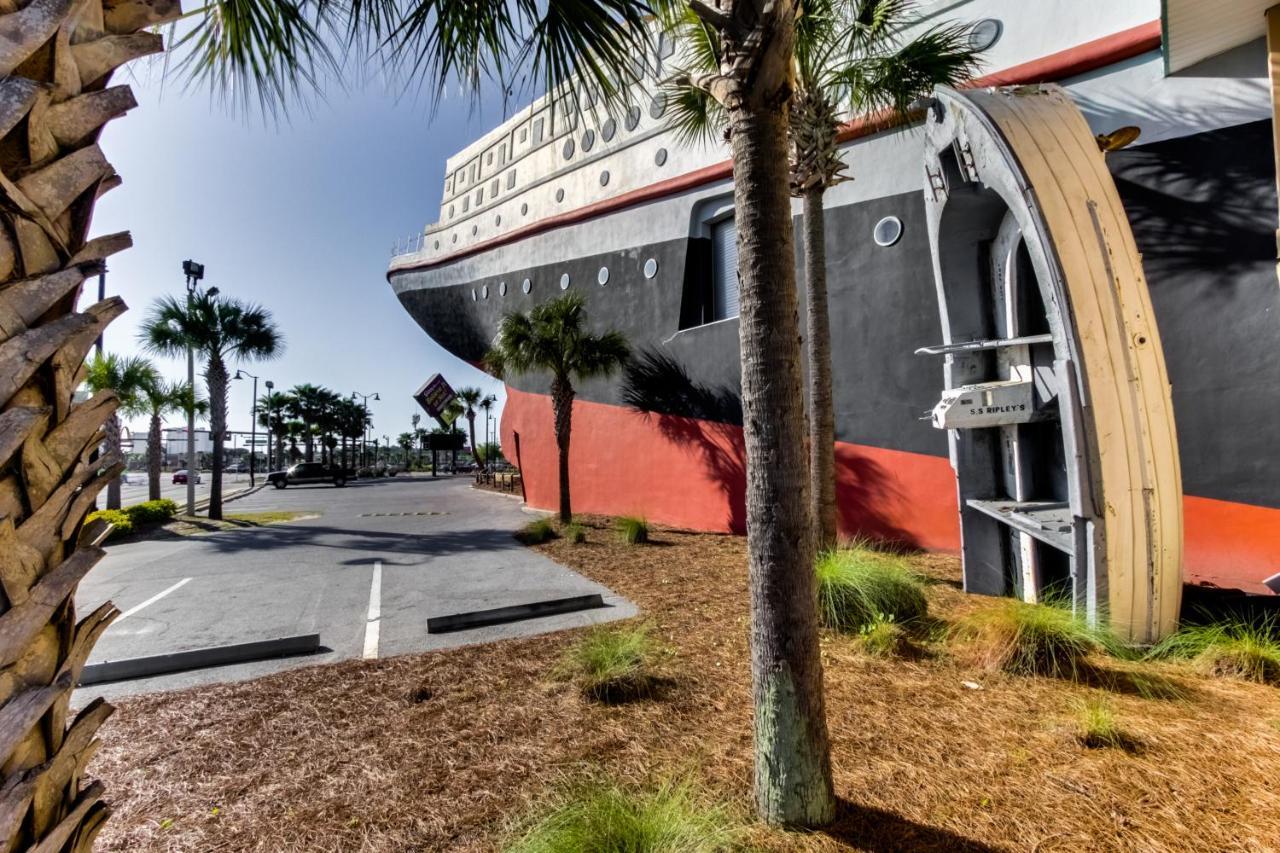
(305, 473)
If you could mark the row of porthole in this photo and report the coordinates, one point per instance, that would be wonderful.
(659, 159)
(602, 278)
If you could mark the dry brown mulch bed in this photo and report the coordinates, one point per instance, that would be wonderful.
(444, 750)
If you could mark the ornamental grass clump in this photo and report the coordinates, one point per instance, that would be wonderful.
(883, 637)
(606, 818)
(574, 532)
(633, 531)
(537, 532)
(858, 584)
(614, 664)
(1249, 651)
(1096, 726)
(1030, 639)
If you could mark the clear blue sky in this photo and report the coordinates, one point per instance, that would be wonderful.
(298, 215)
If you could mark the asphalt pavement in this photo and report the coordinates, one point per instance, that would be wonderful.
(377, 560)
(134, 488)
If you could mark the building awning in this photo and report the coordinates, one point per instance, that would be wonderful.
(1195, 30)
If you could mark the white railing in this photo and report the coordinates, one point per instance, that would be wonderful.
(410, 245)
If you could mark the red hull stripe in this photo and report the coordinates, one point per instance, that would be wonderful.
(1080, 59)
(690, 473)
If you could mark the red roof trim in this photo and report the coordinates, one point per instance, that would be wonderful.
(1080, 59)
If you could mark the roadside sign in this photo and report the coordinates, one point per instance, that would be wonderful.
(434, 397)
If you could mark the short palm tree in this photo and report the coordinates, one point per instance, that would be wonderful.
(127, 378)
(161, 397)
(219, 330)
(851, 58)
(553, 338)
(471, 399)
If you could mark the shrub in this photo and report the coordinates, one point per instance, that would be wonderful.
(121, 524)
(1236, 649)
(605, 817)
(152, 512)
(574, 532)
(632, 530)
(858, 583)
(1097, 727)
(1030, 639)
(537, 532)
(614, 663)
(882, 637)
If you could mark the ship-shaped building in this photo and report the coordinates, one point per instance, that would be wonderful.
(609, 203)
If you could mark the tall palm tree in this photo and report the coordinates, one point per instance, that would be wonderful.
(858, 57)
(307, 403)
(273, 413)
(160, 398)
(471, 399)
(294, 430)
(553, 338)
(219, 330)
(127, 378)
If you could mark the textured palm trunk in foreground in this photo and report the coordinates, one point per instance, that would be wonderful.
(792, 749)
(155, 452)
(55, 60)
(562, 402)
(822, 423)
(216, 378)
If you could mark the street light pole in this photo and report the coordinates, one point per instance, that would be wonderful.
(270, 385)
(364, 438)
(194, 273)
(253, 423)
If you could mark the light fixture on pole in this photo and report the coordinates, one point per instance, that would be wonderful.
(364, 437)
(253, 423)
(194, 273)
(269, 385)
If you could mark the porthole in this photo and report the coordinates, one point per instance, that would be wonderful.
(564, 281)
(633, 118)
(604, 178)
(526, 285)
(437, 244)
(497, 220)
(502, 288)
(524, 209)
(473, 294)
(985, 34)
(484, 292)
(603, 276)
(560, 195)
(887, 231)
(475, 229)
(455, 238)
(608, 129)
(568, 149)
(650, 268)
(658, 105)
(660, 158)
(588, 140)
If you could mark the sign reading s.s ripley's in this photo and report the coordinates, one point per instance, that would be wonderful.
(434, 397)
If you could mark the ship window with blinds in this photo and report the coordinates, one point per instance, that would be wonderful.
(724, 271)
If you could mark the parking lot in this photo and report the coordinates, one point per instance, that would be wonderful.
(375, 562)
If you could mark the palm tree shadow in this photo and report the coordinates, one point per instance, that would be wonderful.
(880, 831)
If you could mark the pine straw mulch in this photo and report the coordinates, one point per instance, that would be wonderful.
(444, 750)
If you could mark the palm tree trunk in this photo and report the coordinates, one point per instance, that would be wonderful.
(792, 748)
(55, 101)
(822, 425)
(562, 403)
(309, 443)
(113, 429)
(155, 450)
(471, 420)
(216, 378)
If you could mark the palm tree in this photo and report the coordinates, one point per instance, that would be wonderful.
(161, 397)
(126, 378)
(415, 431)
(854, 58)
(273, 409)
(218, 329)
(553, 338)
(405, 442)
(307, 403)
(293, 431)
(472, 398)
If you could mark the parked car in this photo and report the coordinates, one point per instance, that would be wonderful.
(180, 477)
(305, 473)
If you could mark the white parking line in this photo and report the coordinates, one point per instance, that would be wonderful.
(375, 613)
(152, 600)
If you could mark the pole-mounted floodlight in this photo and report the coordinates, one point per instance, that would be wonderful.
(253, 421)
(194, 273)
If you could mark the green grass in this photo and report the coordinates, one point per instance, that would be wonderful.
(601, 817)
(614, 663)
(1236, 649)
(858, 584)
(574, 532)
(1096, 726)
(632, 530)
(1031, 639)
(882, 637)
(537, 532)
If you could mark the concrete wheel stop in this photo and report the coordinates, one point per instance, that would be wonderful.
(513, 613)
(127, 669)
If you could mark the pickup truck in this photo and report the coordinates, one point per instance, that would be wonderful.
(306, 473)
